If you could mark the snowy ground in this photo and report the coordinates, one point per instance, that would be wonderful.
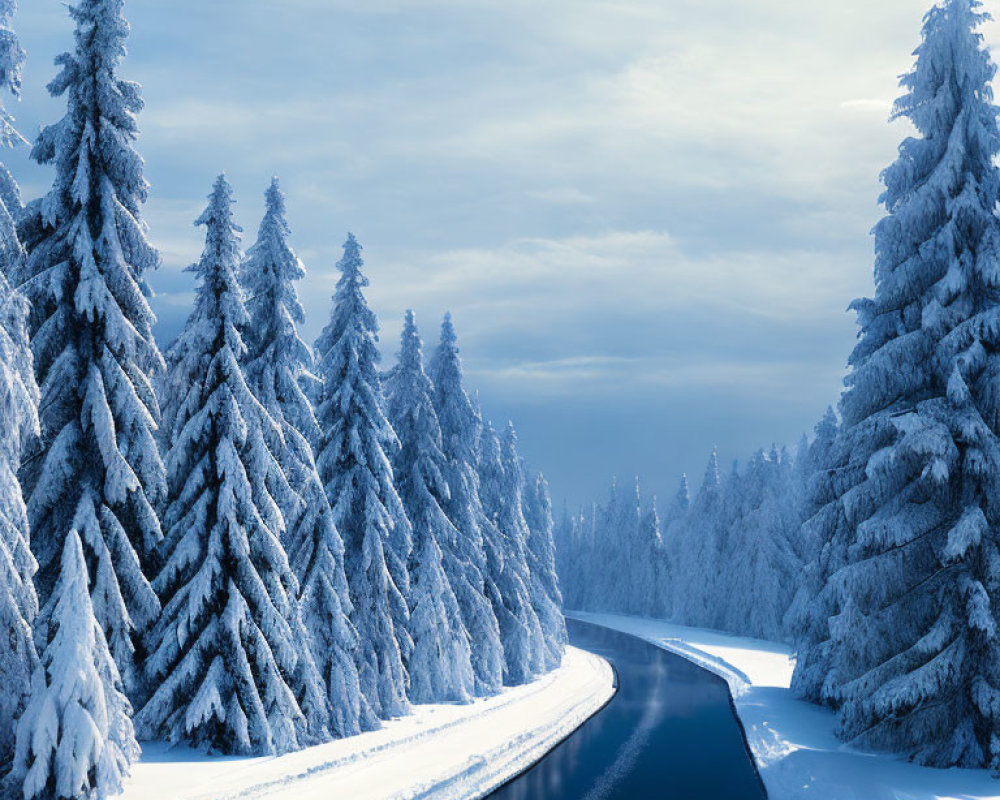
(792, 741)
(445, 752)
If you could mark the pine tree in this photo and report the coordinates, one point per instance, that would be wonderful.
(759, 568)
(75, 737)
(682, 501)
(621, 540)
(12, 58)
(18, 602)
(478, 596)
(696, 549)
(504, 538)
(92, 338)
(806, 622)
(546, 598)
(19, 423)
(912, 656)
(441, 663)
(278, 362)
(353, 458)
(606, 559)
(513, 525)
(650, 586)
(229, 659)
(568, 544)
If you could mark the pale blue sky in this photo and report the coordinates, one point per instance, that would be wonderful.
(647, 216)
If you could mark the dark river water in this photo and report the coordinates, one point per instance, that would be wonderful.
(669, 732)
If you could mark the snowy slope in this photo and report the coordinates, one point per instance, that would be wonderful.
(445, 752)
(792, 741)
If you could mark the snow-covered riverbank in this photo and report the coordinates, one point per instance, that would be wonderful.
(444, 752)
(792, 741)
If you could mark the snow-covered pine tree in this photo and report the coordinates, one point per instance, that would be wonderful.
(913, 656)
(682, 501)
(621, 540)
(514, 526)
(478, 596)
(274, 355)
(650, 586)
(606, 560)
(590, 559)
(277, 362)
(505, 537)
(806, 620)
(353, 458)
(92, 338)
(814, 486)
(759, 567)
(75, 738)
(696, 552)
(576, 560)
(19, 423)
(12, 58)
(229, 655)
(18, 602)
(566, 535)
(440, 666)
(546, 598)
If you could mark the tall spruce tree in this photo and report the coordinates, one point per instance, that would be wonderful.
(546, 598)
(806, 619)
(92, 338)
(353, 458)
(18, 602)
(682, 501)
(759, 567)
(607, 532)
(648, 589)
(695, 552)
(75, 738)
(566, 536)
(277, 363)
(912, 656)
(12, 58)
(19, 423)
(621, 536)
(229, 659)
(465, 557)
(506, 538)
(441, 663)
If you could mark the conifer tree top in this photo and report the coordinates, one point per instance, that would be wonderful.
(448, 345)
(352, 281)
(98, 100)
(952, 67)
(938, 249)
(12, 55)
(411, 408)
(458, 417)
(410, 353)
(271, 261)
(12, 58)
(712, 471)
(348, 344)
(349, 340)
(279, 359)
(221, 297)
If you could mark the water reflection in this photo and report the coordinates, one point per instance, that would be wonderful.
(668, 733)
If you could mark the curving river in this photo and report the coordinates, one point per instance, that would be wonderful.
(670, 732)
